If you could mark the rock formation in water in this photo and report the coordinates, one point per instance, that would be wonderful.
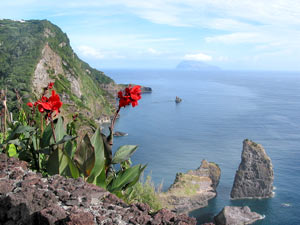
(232, 215)
(254, 178)
(178, 100)
(193, 189)
(120, 134)
(27, 198)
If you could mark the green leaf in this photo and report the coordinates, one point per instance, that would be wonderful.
(12, 150)
(35, 142)
(20, 130)
(123, 153)
(23, 129)
(46, 136)
(137, 177)
(57, 162)
(69, 149)
(107, 149)
(99, 165)
(73, 169)
(101, 180)
(124, 178)
(84, 156)
(59, 129)
(17, 142)
(65, 139)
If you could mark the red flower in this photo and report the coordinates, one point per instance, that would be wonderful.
(50, 104)
(50, 85)
(131, 95)
(30, 104)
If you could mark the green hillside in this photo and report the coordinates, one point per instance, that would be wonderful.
(35, 52)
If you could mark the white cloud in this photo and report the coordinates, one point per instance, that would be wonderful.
(221, 14)
(153, 51)
(198, 57)
(88, 51)
(160, 39)
(236, 38)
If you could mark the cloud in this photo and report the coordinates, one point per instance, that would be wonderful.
(88, 51)
(153, 51)
(236, 38)
(160, 39)
(198, 57)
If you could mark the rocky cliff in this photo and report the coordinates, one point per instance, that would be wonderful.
(36, 52)
(27, 198)
(254, 178)
(193, 189)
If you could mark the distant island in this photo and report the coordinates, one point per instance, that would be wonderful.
(196, 66)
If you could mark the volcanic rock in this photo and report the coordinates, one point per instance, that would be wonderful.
(193, 189)
(27, 198)
(254, 178)
(232, 215)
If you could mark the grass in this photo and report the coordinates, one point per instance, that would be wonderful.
(146, 192)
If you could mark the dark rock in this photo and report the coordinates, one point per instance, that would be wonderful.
(254, 178)
(49, 215)
(193, 189)
(79, 217)
(231, 215)
(27, 198)
(178, 100)
(146, 89)
(120, 134)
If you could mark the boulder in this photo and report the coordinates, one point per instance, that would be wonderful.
(232, 215)
(193, 189)
(254, 178)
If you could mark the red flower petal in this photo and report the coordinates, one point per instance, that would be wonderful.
(50, 85)
(30, 104)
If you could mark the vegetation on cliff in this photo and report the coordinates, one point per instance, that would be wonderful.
(35, 52)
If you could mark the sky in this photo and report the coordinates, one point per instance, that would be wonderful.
(116, 34)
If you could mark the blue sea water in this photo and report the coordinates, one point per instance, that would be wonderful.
(219, 110)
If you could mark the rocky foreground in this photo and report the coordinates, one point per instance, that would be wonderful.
(27, 198)
(193, 189)
(254, 178)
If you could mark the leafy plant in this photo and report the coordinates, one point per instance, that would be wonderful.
(54, 150)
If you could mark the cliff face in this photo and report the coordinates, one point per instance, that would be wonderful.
(254, 178)
(33, 53)
(193, 189)
(27, 198)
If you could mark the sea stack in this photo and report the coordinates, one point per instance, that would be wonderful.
(193, 189)
(254, 178)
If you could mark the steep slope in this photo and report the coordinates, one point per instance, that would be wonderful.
(35, 52)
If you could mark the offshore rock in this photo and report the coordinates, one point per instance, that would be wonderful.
(231, 215)
(254, 178)
(120, 134)
(193, 189)
(27, 198)
(146, 89)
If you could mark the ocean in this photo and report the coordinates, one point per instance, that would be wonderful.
(218, 111)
